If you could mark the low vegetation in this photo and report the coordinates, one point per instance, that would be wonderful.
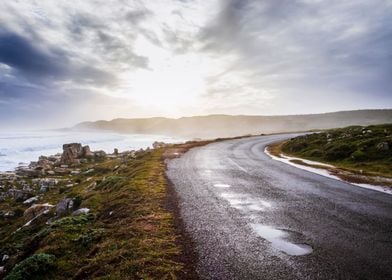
(127, 234)
(365, 150)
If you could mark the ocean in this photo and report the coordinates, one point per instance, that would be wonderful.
(19, 148)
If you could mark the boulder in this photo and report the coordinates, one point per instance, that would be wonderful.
(37, 210)
(64, 207)
(61, 171)
(71, 152)
(28, 172)
(18, 195)
(383, 146)
(31, 200)
(81, 211)
(157, 145)
(7, 214)
(86, 152)
(100, 154)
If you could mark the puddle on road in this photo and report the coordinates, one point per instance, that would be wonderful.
(243, 202)
(221, 185)
(276, 238)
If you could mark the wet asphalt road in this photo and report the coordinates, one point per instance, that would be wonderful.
(229, 191)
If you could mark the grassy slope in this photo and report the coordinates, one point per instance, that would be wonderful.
(352, 148)
(127, 235)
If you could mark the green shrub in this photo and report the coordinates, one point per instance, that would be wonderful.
(76, 202)
(34, 267)
(359, 155)
(314, 153)
(338, 152)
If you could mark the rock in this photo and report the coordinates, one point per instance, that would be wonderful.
(28, 172)
(86, 152)
(71, 152)
(46, 183)
(31, 200)
(61, 171)
(81, 211)
(64, 206)
(18, 195)
(383, 146)
(9, 214)
(75, 172)
(157, 145)
(5, 258)
(43, 163)
(37, 210)
(2, 270)
(99, 154)
(50, 172)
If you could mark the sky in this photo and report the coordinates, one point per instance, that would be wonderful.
(66, 61)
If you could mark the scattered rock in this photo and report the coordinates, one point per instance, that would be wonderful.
(9, 214)
(45, 183)
(31, 200)
(37, 210)
(61, 171)
(5, 258)
(100, 154)
(157, 145)
(81, 211)
(64, 206)
(28, 172)
(383, 146)
(18, 195)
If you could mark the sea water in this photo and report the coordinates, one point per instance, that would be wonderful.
(20, 148)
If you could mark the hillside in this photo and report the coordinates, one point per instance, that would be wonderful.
(228, 126)
(365, 149)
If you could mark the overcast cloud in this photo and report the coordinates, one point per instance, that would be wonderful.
(62, 62)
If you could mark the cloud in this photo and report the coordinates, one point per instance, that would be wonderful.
(226, 56)
(303, 47)
(20, 54)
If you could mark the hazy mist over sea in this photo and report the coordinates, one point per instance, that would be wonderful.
(19, 148)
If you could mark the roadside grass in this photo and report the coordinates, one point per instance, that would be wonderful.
(354, 151)
(127, 235)
(131, 232)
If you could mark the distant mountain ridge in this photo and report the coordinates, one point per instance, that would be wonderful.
(213, 126)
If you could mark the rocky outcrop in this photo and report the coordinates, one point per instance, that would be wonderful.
(157, 145)
(86, 152)
(71, 153)
(74, 153)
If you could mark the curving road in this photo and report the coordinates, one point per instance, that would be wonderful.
(252, 217)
